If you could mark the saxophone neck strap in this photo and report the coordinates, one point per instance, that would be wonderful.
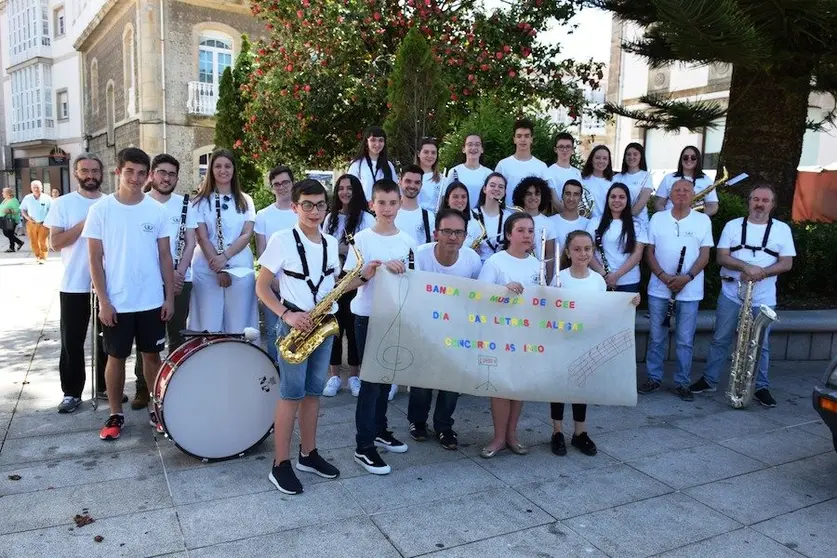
(499, 235)
(425, 218)
(762, 248)
(306, 275)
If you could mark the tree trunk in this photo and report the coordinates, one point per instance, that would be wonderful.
(764, 129)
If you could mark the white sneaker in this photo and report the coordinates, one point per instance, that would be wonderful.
(354, 385)
(332, 386)
(392, 391)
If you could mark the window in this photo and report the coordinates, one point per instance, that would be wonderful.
(63, 105)
(203, 165)
(32, 116)
(214, 56)
(110, 111)
(58, 23)
(28, 29)
(128, 69)
(94, 85)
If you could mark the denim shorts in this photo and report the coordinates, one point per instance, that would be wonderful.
(308, 377)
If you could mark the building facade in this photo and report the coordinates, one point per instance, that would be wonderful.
(151, 71)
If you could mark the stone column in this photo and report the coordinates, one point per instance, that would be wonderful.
(150, 83)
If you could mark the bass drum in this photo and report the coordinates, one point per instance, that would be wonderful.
(216, 397)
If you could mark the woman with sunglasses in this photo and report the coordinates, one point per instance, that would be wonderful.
(690, 167)
(636, 177)
(471, 173)
(492, 214)
(223, 301)
(349, 215)
(534, 195)
(596, 178)
(372, 161)
(431, 181)
(457, 197)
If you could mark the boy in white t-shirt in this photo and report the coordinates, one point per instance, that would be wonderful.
(413, 219)
(382, 244)
(569, 219)
(756, 248)
(133, 274)
(562, 170)
(522, 164)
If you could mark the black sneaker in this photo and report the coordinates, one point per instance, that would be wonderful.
(559, 447)
(701, 386)
(763, 396)
(684, 393)
(584, 444)
(418, 431)
(103, 396)
(371, 461)
(649, 386)
(314, 463)
(282, 476)
(389, 442)
(447, 438)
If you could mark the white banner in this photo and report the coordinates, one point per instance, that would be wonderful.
(444, 332)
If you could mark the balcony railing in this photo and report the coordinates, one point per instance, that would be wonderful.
(38, 47)
(202, 98)
(34, 133)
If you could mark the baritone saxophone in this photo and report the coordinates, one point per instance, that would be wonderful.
(297, 346)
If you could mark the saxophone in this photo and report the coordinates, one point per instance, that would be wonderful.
(297, 346)
(697, 201)
(745, 359)
(477, 241)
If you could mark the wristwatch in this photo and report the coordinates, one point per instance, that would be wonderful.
(363, 279)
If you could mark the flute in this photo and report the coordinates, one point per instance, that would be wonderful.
(542, 270)
(671, 307)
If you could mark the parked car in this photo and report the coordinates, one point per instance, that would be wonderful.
(825, 399)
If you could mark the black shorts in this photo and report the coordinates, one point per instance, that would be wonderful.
(146, 327)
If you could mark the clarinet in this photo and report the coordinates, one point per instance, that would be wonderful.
(600, 248)
(671, 307)
(181, 233)
(219, 231)
(411, 260)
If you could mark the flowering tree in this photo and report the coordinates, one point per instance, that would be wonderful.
(322, 73)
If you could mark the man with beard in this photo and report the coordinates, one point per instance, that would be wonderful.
(413, 220)
(65, 221)
(180, 213)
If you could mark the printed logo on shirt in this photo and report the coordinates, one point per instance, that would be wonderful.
(148, 227)
(536, 279)
(420, 229)
(174, 220)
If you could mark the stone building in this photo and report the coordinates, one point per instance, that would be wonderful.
(151, 71)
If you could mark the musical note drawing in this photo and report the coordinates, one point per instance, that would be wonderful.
(395, 357)
(489, 362)
(584, 366)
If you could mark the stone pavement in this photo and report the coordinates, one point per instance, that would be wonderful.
(671, 478)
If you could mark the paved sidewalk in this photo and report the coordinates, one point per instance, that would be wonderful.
(671, 478)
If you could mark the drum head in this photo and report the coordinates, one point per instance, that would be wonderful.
(220, 401)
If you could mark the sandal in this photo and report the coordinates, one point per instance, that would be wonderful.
(518, 448)
(488, 453)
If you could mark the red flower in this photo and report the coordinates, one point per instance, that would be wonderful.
(307, 87)
(512, 73)
(377, 16)
(506, 48)
(484, 67)
(499, 56)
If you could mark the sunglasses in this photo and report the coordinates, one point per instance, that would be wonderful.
(689, 157)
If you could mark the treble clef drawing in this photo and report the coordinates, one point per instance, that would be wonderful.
(390, 354)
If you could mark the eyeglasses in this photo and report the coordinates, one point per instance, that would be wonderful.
(281, 184)
(452, 233)
(163, 174)
(308, 206)
(564, 147)
(690, 157)
(473, 144)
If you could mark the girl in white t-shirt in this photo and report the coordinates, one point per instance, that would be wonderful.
(457, 197)
(222, 301)
(688, 166)
(535, 197)
(596, 177)
(636, 177)
(492, 214)
(515, 268)
(372, 161)
(575, 274)
(619, 240)
(471, 173)
(349, 215)
(432, 181)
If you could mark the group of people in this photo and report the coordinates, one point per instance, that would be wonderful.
(193, 259)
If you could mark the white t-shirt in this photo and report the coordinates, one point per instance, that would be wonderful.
(360, 168)
(502, 268)
(36, 208)
(366, 220)
(494, 232)
(701, 184)
(174, 211)
(558, 176)
(473, 179)
(271, 220)
(563, 228)
(615, 250)
(129, 235)
(468, 264)
(410, 221)
(431, 191)
(597, 187)
(779, 241)
(542, 222)
(232, 223)
(515, 170)
(374, 246)
(593, 281)
(67, 212)
(669, 236)
(635, 182)
(281, 255)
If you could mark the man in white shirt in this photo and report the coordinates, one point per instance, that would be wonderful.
(522, 164)
(65, 220)
(133, 274)
(562, 170)
(568, 220)
(412, 219)
(678, 250)
(447, 255)
(278, 216)
(34, 208)
(757, 248)
(181, 223)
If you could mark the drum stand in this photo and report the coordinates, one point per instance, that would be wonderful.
(94, 333)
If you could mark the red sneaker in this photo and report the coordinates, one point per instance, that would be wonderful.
(112, 428)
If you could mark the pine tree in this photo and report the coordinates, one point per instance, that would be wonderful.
(781, 52)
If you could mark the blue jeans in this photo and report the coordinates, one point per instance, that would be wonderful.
(309, 376)
(419, 407)
(685, 323)
(372, 401)
(271, 320)
(726, 321)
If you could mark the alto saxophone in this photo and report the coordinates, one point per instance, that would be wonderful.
(483, 235)
(745, 359)
(297, 346)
